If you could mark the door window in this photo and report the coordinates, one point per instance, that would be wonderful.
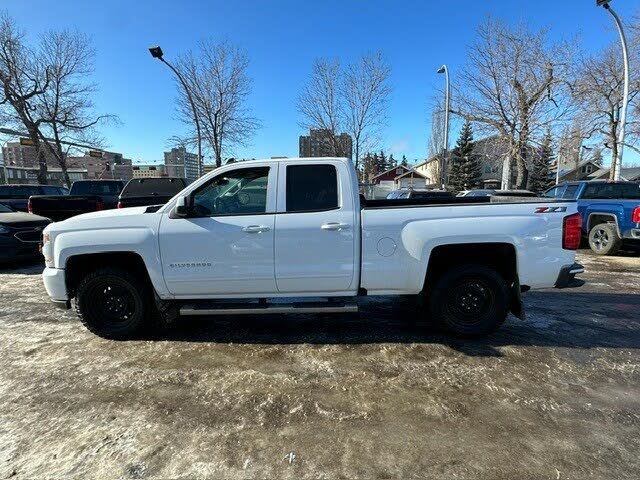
(311, 188)
(570, 191)
(555, 192)
(237, 192)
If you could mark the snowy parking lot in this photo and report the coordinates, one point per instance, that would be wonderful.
(556, 396)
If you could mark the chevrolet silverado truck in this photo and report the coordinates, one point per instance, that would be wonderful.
(294, 236)
(610, 212)
(84, 196)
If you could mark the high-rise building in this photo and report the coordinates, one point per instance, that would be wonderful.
(180, 163)
(21, 154)
(322, 143)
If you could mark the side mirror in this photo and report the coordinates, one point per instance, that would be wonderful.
(183, 206)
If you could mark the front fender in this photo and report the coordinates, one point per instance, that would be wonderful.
(139, 240)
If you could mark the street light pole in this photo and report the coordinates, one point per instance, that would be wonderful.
(445, 145)
(616, 163)
(156, 52)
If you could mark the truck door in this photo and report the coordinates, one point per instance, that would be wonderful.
(315, 249)
(225, 246)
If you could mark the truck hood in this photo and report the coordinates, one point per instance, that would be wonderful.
(18, 219)
(101, 219)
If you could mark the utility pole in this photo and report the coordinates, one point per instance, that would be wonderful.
(445, 143)
(616, 163)
(156, 52)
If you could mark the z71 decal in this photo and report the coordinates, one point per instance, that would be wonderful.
(550, 209)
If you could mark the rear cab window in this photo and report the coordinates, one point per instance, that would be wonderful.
(142, 187)
(96, 188)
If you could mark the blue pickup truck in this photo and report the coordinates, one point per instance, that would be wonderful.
(610, 212)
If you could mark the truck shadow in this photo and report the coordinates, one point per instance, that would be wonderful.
(557, 319)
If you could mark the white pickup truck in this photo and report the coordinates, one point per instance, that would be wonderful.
(294, 236)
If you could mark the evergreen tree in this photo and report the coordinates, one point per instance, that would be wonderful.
(540, 178)
(382, 162)
(465, 171)
(391, 162)
(404, 162)
(375, 163)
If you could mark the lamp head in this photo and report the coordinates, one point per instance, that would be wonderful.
(442, 69)
(156, 52)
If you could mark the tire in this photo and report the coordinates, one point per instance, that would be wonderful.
(470, 300)
(604, 239)
(112, 303)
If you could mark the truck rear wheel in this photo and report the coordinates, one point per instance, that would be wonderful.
(112, 303)
(470, 300)
(604, 239)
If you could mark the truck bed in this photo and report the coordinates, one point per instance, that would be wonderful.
(397, 239)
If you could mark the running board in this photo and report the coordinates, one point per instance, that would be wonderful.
(265, 309)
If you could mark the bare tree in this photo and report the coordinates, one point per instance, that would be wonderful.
(352, 99)
(321, 105)
(218, 80)
(366, 90)
(599, 91)
(45, 92)
(436, 138)
(23, 81)
(66, 108)
(515, 84)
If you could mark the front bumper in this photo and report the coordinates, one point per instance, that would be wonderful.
(567, 276)
(56, 287)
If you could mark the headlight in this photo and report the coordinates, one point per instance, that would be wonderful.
(4, 229)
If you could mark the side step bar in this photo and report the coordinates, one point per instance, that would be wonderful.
(265, 309)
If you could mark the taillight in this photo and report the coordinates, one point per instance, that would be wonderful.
(635, 217)
(119, 204)
(99, 205)
(572, 232)
(29, 206)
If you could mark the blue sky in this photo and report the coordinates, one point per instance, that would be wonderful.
(282, 38)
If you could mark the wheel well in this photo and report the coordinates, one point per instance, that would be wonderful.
(598, 218)
(78, 266)
(499, 256)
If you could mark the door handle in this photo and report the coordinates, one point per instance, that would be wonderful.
(256, 229)
(334, 226)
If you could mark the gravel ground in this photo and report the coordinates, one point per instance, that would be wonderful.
(556, 397)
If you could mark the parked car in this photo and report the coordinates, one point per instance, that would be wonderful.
(411, 193)
(610, 212)
(17, 196)
(487, 192)
(20, 234)
(150, 191)
(85, 196)
(294, 229)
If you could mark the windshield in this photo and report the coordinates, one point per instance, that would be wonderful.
(4, 208)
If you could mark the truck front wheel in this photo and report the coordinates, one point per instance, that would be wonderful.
(470, 300)
(112, 303)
